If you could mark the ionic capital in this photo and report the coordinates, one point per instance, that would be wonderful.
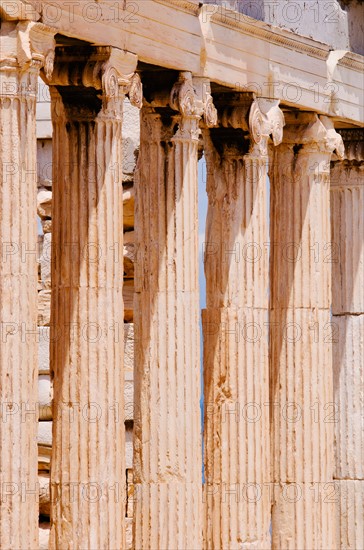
(26, 45)
(262, 118)
(315, 133)
(265, 119)
(204, 101)
(192, 98)
(108, 69)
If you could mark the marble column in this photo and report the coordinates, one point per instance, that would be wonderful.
(167, 425)
(235, 323)
(88, 464)
(347, 230)
(24, 49)
(301, 335)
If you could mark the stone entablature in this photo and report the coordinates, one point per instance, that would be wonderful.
(258, 57)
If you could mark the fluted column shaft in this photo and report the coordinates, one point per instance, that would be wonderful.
(236, 378)
(235, 324)
(18, 288)
(347, 229)
(88, 454)
(167, 428)
(301, 335)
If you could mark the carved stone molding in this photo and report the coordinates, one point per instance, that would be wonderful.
(204, 100)
(36, 41)
(183, 97)
(260, 29)
(135, 91)
(236, 116)
(192, 7)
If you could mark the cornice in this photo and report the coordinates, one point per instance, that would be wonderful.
(189, 6)
(353, 61)
(282, 37)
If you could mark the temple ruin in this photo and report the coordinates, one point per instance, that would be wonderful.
(131, 419)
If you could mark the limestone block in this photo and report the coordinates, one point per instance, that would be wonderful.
(44, 445)
(44, 203)
(128, 202)
(129, 347)
(44, 458)
(129, 448)
(129, 400)
(45, 262)
(45, 413)
(130, 494)
(44, 163)
(39, 283)
(39, 245)
(44, 494)
(129, 254)
(44, 531)
(45, 397)
(128, 533)
(44, 307)
(128, 295)
(43, 350)
(45, 433)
